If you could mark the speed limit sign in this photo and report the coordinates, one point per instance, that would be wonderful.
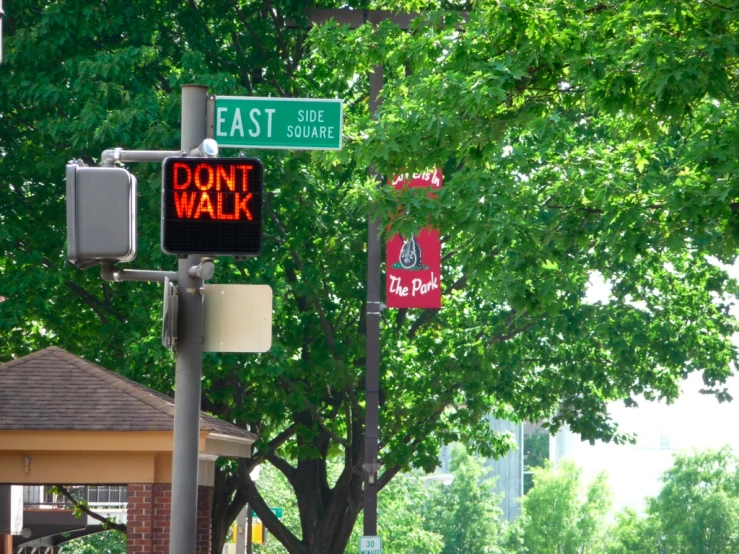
(370, 545)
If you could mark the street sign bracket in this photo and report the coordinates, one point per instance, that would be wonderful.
(170, 308)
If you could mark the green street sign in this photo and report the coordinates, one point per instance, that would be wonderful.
(276, 511)
(277, 123)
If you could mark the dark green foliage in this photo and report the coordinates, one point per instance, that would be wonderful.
(576, 137)
(107, 542)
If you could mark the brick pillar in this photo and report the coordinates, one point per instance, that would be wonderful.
(205, 507)
(139, 519)
(162, 513)
(149, 510)
(6, 544)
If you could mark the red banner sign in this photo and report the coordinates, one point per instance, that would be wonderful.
(413, 275)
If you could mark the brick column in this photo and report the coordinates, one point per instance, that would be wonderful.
(205, 507)
(149, 508)
(6, 544)
(139, 519)
(162, 513)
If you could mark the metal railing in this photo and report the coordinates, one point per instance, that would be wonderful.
(99, 496)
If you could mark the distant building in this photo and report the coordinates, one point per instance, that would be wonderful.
(534, 447)
(513, 472)
(510, 469)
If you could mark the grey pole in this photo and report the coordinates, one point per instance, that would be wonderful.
(2, 13)
(356, 18)
(241, 531)
(372, 413)
(189, 365)
(249, 536)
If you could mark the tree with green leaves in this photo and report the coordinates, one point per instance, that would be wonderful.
(404, 509)
(576, 138)
(467, 512)
(697, 510)
(633, 533)
(558, 518)
(107, 542)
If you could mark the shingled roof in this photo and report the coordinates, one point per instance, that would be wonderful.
(55, 390)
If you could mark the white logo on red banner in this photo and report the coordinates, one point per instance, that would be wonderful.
(413, 276)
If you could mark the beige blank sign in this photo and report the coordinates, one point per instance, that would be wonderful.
(237, 318)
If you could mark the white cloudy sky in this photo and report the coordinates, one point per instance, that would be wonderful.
(694, 421)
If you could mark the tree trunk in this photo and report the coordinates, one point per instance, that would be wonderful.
(332, 522)
(228, 501)
(327, 520)
(327, 513)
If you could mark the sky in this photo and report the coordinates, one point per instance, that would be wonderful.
(694, 421)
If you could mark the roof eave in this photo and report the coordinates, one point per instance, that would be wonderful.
(228, 446)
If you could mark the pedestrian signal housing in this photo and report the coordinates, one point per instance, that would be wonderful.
(101, 215)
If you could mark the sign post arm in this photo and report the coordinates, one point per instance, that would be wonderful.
(110, 273)
(210, 107)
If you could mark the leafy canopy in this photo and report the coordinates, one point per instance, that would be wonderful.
(576, 138)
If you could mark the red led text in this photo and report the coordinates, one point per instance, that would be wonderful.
(211, 191)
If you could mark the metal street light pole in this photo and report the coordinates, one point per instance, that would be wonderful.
(372, 377)
(355, 19)
(189, 364)
(2, 13)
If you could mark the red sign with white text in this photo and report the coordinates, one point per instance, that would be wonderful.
(413, 275)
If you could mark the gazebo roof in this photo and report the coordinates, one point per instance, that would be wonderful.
(55, 390)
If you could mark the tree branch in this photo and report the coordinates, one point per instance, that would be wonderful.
(429, 314)
(451, 253)
(258, 44)
(245, 80)
(93, 302)
(327, 330)
(277, 20)
(348, 462)
(20, 245)
(257, 503)
(314, 412)
(81, 505)
(387, 475)
(211, 40)
(165, 84)
(283, 466)
(719, 6)
(502, 336)
(281, 438)
(390, 472)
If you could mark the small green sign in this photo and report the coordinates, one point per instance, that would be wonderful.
(277, 123)
(276, 511)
